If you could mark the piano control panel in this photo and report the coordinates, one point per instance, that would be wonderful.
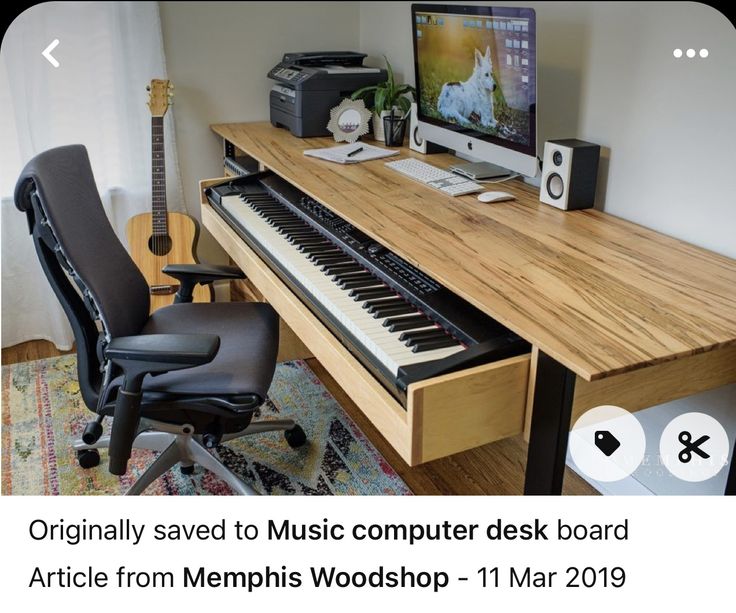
(384, 259)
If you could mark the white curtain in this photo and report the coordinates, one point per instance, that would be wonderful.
(108, 52)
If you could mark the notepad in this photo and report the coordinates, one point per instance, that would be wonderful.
(339, 154)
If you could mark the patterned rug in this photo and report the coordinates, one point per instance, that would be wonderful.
(42, 411)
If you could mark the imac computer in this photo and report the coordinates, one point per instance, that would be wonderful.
(475, 71)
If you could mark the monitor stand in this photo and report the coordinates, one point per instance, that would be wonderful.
(478, 171)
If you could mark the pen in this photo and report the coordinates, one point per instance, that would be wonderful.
(352, 153)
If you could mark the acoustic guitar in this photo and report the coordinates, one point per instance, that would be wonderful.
(159, 238)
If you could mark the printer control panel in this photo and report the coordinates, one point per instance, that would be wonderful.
(290, 74)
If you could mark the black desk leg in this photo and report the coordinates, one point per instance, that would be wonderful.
(553, 395)
(731, 481)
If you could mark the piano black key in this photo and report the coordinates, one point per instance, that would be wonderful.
(412, 337)
(269, 208)
(284, 217)
(365, 294)
(332, 268)
(383, 303)
(328, 256)
(318, 248)
(278, 216)
(395, 299)
(359, 283)
(361, 275)
(295, 231)
(352, 276)
(281, 220)
(379, 312)
(398, 324)
(307, 248)
(299, 236)
(296, 234)
(438, 344)
(345, 260)
(317, 241)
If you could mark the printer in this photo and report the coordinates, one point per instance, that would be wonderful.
(309, 84)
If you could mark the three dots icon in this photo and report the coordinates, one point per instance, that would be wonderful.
(691, 53)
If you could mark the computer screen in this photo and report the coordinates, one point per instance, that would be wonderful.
(476, 72)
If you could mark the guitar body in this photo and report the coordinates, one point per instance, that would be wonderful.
(152, 253)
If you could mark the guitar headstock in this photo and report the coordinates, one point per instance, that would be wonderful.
(160, 95)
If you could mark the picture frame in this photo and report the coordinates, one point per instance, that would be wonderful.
(349, 120)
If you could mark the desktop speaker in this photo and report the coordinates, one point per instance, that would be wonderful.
(569, 173)
(415, 142)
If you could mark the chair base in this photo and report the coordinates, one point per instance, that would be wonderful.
(177, 445)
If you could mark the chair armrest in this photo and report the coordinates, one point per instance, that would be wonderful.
(138, 356)
(156, 353)
(189, 275)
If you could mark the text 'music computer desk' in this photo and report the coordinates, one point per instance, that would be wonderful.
(616, 313)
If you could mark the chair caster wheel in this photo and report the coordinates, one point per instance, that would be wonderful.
(187, 470)
(92, 433)
(295, 437)
(88, 458)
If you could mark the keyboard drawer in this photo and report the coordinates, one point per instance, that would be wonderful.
(444, 415)
(466, 409)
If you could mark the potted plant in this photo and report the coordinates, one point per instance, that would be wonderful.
(385, 98)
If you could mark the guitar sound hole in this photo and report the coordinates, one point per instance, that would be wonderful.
(159, 245)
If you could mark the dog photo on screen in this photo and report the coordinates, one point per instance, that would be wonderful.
(480, 82)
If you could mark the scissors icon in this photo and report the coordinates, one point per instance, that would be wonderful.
(689, 447)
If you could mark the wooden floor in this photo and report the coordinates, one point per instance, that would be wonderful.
(32, 350)
(497, 468)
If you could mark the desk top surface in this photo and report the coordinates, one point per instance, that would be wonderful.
(599, 294)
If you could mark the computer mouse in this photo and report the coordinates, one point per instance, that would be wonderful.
(495, 196)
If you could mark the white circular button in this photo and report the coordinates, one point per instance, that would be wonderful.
(694, 447)
(607, 443)
(703, 53)
(677, 53)
(690, 52)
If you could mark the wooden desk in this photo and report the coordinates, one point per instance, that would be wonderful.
(617, 313)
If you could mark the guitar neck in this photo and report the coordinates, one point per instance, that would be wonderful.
(159, 220)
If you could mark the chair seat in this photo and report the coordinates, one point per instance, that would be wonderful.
(245, 362)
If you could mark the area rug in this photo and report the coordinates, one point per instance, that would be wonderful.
(43, 412)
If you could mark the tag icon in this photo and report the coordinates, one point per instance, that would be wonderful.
(595, 440)
(606, 442)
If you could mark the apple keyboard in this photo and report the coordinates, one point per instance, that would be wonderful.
(442, 180)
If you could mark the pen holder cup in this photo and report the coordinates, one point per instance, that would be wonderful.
(394, 127)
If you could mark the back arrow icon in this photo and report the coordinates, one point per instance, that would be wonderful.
(47, 53)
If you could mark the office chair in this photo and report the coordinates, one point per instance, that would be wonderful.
(179, 381)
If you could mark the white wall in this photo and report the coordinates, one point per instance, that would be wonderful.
(218, 55)
(607, 74)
